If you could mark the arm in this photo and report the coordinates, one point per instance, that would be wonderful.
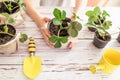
(33, 13)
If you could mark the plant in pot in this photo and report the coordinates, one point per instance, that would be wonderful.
(12, 7)
(102, 37)
(8, 37)
(62, 28)
(96, 17)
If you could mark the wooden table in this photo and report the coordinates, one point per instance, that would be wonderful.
(60, 64)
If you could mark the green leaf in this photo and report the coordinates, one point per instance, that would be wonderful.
(76, 25)
(63, 15)
(6, 29)
(17, 1)
(72, 32)
(101, 31)
(11, 20)
(23, 38)
(107, 25)
(56, 21)
(57, 13)
(53, 39)
(89, 13)
(63, 39)
(23, 5)
(104, 14)
(92, 19)
(58, 44)
(90, 25)
(97, 10)
(6, 15)
(75, 16)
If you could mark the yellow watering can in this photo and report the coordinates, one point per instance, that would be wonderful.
(32, 65)
(109, 61)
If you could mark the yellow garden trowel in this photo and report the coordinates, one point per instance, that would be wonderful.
(32, 65)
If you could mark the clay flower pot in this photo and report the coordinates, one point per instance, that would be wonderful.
(99, 42)
(8, 44)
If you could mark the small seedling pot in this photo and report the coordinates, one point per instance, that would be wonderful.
(118, 38)
(9, 44)
(53, 29)
(100, 43)
(16, 15)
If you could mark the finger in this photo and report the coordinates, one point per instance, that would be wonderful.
(47, 41)
(70, 45)
(46, 19)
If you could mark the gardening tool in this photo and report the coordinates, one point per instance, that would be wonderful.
(32, 65)
(109, 61)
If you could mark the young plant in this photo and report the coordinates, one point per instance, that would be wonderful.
(72, 28)
(10, 7)
(23, 37)
(97, 20)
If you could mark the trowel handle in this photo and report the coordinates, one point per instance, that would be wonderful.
(31, 46)
(93, 69)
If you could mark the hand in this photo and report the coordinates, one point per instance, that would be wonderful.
(45, 32)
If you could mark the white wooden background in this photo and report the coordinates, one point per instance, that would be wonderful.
(60, 64)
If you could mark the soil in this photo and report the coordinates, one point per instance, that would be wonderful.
(55, 28)
(106, 38)
(3, 8)
(4, 38)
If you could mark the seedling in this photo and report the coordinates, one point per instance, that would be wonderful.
(97, 20)
(10, 7)
(6, 29)
(72, 28)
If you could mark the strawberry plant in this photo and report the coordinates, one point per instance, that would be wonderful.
(62, 27)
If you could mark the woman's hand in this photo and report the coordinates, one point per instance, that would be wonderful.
(44, 31)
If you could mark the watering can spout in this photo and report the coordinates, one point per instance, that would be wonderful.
(93, 69)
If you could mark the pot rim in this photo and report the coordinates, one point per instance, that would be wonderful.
(101, 39)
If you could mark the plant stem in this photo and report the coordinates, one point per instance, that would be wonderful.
(7, 33)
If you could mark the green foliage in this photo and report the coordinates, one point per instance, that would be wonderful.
(23, 38)
(75, 16)
(59, 16)
(97, 19)
(5, 29)
(58, 40)
(72, 28)
(9, 19)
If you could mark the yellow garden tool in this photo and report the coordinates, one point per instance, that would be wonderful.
(32, 65)
(109, 61)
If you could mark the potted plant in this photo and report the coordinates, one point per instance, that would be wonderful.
(102, 37)
(8, 36)
(62, 28)
(12, 7)
(96, 17)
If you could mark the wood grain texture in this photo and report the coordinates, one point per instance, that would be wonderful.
(59, 64)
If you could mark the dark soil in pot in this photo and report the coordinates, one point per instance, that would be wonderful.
(3, 8)
(92, 29)
(55, 28)
(99, 42)
(4, 38)
(118, 38)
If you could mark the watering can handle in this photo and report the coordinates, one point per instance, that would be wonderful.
(31, 46)
(93, 69)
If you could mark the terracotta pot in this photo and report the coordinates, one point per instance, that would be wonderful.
(99, 43)
(10, 46)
